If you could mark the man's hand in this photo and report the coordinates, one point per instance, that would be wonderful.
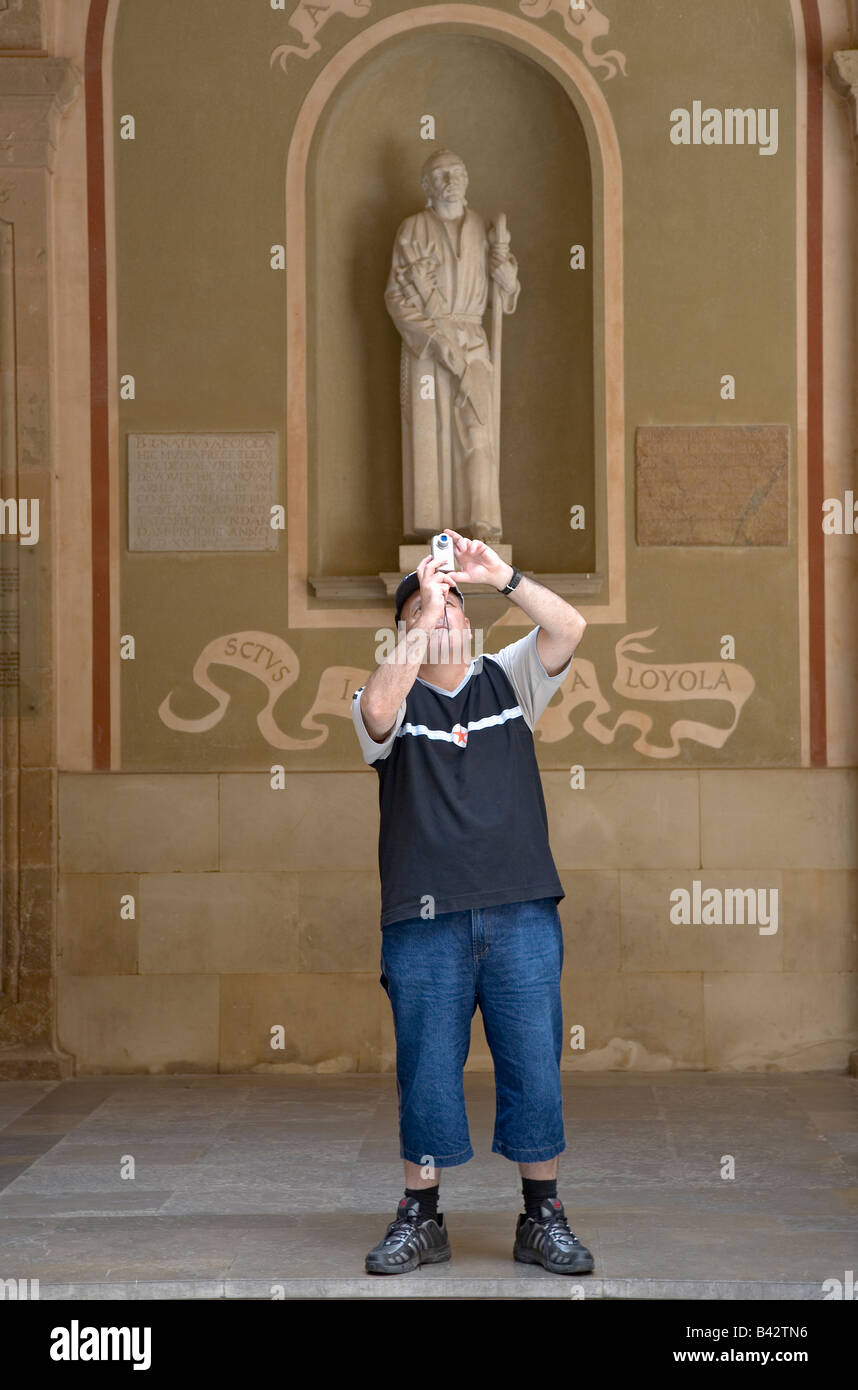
(434, 588)
(392, 679)
(479, 564)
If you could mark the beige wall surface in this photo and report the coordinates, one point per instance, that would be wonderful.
(709, 266)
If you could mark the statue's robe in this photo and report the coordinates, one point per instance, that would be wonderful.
(450, 463)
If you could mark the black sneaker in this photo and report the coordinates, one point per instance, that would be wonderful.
(409, 1242)
(549, 1242)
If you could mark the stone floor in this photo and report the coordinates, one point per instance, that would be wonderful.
(260, 1187)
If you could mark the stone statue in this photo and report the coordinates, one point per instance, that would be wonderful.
(444, 265)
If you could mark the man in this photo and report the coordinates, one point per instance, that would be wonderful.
(469, 896)
(437, 291)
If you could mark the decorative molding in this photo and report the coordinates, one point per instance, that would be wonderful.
(305, 22)
(586, 25)
(34, 93)
(10, 750)
(843, 74)
(581, 20)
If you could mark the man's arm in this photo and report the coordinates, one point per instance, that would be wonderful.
(561, 626)
(392, 679)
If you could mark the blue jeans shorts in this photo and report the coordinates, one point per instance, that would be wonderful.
(507, 959)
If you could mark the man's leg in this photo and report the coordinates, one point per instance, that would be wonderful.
(427, 973)
(518, 985)
(539, 1170)
(414, 1176)
(519, 992)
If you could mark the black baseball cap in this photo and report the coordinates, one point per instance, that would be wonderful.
(410, 584)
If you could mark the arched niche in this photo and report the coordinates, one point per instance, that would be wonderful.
(535, 132)
(526, 154)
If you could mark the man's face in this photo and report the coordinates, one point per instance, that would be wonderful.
(448, 181)
(451, 638)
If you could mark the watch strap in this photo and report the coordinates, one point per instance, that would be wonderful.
(516, 576)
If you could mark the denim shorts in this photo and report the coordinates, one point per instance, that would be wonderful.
(507, 959)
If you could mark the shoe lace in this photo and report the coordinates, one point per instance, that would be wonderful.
(403, 1225)
(558, 1229)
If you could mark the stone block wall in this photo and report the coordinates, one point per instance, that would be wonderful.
(255, 909)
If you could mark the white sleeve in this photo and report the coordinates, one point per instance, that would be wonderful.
(527, 675)
(373, 750)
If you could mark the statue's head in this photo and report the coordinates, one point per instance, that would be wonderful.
(444, 178)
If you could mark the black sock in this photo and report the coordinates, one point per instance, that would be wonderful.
(428, 1199)
(535, 1191)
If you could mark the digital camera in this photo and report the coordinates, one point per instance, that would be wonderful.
(442, 549)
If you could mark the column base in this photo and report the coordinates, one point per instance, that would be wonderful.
(35, 1064)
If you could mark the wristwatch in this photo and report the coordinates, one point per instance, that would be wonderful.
(516, 576)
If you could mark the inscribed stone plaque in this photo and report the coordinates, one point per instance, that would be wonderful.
(20, 632)
(712, 484)
(202, 491)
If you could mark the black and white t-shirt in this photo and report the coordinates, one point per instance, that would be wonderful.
(462, 813)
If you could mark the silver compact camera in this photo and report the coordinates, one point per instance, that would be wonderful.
(442, 549)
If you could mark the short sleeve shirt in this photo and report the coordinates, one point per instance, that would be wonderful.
(462, 814)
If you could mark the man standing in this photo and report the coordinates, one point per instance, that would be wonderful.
(469, 894)
(443, 266)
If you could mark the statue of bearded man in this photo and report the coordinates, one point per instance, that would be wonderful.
(444, 263)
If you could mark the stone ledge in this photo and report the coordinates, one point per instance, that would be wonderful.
(373, 587)
(422, 1283)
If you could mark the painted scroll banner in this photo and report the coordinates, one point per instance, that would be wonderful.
(272, 661)
(275, 663)
(660, 681)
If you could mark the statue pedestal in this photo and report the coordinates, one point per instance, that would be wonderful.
(411, 555)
